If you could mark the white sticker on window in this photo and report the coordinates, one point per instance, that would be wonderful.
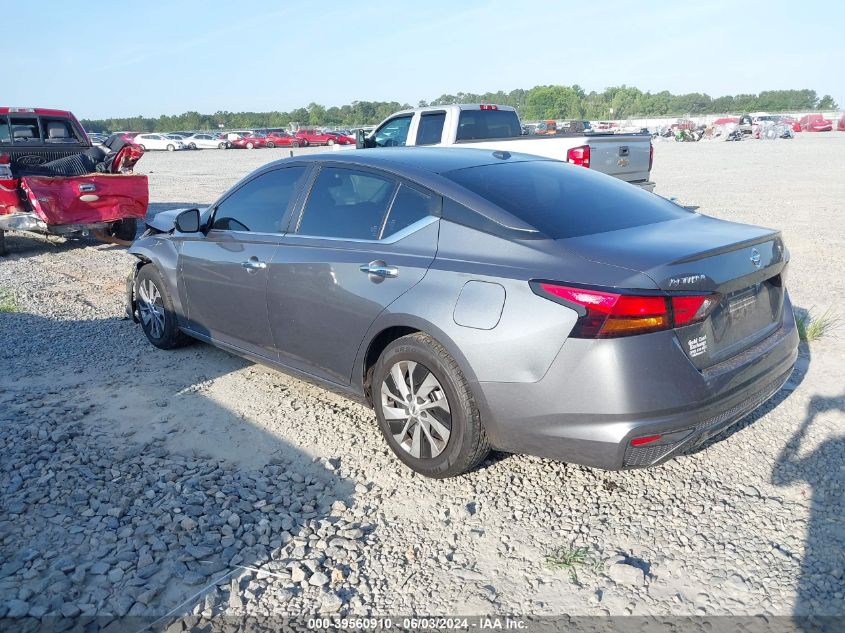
(698, 345)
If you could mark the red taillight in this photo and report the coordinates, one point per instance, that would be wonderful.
(579, 155)
(647, 439)
(488, 107)
(692, 308)
(603, 314)
(5, 159)
(650, 155)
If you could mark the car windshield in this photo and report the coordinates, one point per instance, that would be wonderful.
(564, 201)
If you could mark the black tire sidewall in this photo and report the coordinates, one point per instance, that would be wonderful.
(124, 229)
(417, 351)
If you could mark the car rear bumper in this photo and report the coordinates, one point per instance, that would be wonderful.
(598, 395)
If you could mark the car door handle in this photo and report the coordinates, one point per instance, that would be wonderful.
(253, 264)
(380, 269)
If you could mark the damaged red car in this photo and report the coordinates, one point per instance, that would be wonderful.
(815, 123)
(53, 181)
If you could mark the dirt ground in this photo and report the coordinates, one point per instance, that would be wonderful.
(752, 525)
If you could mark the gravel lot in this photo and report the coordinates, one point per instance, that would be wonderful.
(137, 481)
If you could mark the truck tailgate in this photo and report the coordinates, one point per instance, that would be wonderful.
(87, 199)
(624, 156)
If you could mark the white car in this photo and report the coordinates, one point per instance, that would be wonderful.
(204, 141)
(157, 141)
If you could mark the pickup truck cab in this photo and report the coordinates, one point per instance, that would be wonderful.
(624, 156)
(52, 179)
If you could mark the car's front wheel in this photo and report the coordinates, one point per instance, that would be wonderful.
(294, 144)
(330, 142)
(271, 144)
(250, 146)
(155, 310)
(222, 146)
(192, 146)
(426, 409)
(171, 148)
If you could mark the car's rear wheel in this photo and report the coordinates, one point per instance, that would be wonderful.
(294, 144)
(124, 229)
(250, 145)
(271, 144)
(426, 410)
(330, 142)
(155, 310)
(305, 142)
(222, 146)
(193, 145)
(171, 148)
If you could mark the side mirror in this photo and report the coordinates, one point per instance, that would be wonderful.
(188, 221)
(360, 139)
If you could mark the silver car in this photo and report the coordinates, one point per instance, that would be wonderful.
(481, 300)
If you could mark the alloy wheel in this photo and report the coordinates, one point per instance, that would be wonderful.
(416, 409)
(151, 308)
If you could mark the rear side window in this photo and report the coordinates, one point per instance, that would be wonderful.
(25, 130)
(346, 203)
(478, 124)
(409, 206)
(431, 128)
(565, 201)
(259, 205)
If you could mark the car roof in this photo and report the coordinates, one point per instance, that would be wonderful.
(437, 160)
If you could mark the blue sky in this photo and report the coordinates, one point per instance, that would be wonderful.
(155, 57)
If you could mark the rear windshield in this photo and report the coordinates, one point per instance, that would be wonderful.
(478, 124)
(562, 200)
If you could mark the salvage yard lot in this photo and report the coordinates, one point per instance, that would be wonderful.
(134, 478)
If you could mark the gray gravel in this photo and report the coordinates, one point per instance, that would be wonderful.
(143, 482)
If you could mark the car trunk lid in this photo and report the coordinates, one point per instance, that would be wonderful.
(744, 264)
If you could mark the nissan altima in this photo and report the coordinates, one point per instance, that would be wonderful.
(480, 300)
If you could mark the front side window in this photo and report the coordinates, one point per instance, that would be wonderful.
(431, 128)
(347, 204)
(259, 206)
(394, 133)
(5, 135)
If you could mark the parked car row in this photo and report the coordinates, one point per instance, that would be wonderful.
(235, 139)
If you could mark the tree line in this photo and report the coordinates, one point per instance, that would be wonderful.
(540, 102)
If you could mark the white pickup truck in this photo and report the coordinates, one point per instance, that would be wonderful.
(625, 156)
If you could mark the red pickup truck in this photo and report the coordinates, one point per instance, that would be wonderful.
(52, 180)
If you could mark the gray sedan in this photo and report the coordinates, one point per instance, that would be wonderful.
(481, 300)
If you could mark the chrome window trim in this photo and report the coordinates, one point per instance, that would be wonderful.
(395, 237)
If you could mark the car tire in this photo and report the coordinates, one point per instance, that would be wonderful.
(271, 144)
(155, 310)
(171, 148)
(222, 146)
(192, 146)
(330, 142)
(294, 144)
(438, 454)
(250, 146)
(125, 229)
(305, 142)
